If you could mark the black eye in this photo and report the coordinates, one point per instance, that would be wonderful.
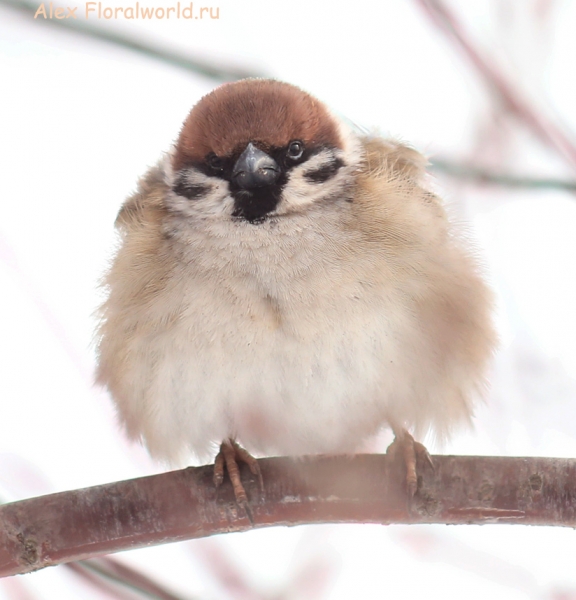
(215, 162)
(295, 150)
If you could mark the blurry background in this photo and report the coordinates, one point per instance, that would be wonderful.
(485, 88)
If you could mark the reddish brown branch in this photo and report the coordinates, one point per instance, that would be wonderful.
(180, 505)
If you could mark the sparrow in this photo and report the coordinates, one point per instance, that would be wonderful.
(287, 285)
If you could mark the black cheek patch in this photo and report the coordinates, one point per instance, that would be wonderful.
(325, 172)
(190, 191)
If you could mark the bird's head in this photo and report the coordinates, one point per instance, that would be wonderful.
(259, 148)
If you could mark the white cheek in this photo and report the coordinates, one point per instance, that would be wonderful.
(300, 192)
(216, 201)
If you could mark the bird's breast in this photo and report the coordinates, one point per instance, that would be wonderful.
(267, 339)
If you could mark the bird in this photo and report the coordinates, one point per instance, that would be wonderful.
(286, 284)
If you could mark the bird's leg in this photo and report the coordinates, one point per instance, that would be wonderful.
(230, 453)
(411, 452)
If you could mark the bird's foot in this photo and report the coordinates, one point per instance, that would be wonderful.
(410, 452)
(230, 453)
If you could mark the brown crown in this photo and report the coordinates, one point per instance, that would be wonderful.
(264, 111)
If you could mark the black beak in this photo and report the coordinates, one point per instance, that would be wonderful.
(255, 169)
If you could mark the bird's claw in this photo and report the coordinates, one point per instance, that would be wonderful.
(411, 452)
(227, 459)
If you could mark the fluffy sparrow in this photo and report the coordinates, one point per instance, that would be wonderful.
(286, 284)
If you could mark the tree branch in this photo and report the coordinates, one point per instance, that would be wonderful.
(555, 135)
(218, 71)
(181, 505)
(482, 175)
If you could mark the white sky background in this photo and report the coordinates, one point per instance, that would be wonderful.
(80, 121)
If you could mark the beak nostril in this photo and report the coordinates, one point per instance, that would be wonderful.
(254, 168)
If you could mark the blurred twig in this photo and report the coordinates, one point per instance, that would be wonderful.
(109, 569)
(218, 72)
(184, 504)
(231, 577)
(480, 175)
(94, 580)
(557, 137)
